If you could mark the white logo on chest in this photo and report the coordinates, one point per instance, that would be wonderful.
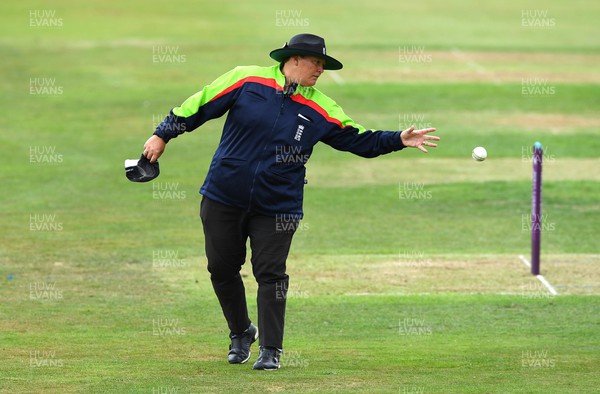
(299, 132)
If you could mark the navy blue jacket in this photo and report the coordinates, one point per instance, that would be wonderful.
(268, 137)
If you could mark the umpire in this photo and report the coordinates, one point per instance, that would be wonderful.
(254, 186)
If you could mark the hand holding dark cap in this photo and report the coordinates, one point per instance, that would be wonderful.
(308, 45)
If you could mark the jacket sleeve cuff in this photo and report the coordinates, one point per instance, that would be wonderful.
(397, 142)
(161, 135)
(171, 127)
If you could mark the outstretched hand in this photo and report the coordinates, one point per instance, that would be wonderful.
(418, 138)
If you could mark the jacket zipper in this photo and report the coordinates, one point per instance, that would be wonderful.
(267, 144)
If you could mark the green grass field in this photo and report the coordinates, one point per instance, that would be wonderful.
(103, 284)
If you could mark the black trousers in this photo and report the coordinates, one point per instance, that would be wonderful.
(226, 230)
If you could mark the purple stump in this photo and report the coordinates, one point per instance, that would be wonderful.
(536, 208)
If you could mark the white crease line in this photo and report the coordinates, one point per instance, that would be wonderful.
(473, 64)
(548, 285)
(540, 277)
(524, 260)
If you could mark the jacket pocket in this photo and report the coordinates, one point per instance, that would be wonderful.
(283, 187)
(231, 180)
(255, 96)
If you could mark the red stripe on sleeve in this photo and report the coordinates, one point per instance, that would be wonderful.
(302, 100)
(270, 82)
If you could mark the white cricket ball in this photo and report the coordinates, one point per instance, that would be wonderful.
(479, 153)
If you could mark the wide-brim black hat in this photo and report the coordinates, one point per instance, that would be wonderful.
(309, 45)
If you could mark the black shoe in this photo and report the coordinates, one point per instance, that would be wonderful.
(239, 350)
(268, 359)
